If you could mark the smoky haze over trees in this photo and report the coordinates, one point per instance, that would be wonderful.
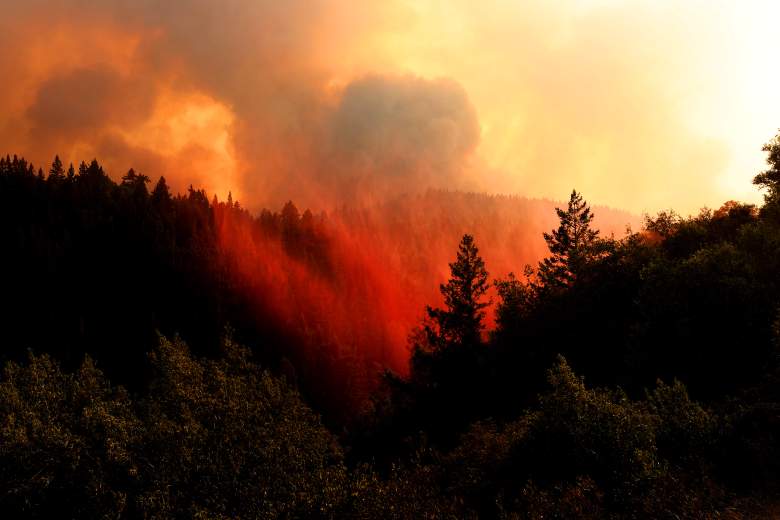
(617, 375)
(332, 298)
(289, 101)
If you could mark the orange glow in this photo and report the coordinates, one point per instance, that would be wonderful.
(194, 132)
(385, 265)
(640, 105)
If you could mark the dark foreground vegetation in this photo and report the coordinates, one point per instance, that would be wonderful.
(625, 378)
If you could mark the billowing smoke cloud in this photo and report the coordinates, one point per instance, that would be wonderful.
(320, 100)
(237, 95)
(393, 133)
(80, 102)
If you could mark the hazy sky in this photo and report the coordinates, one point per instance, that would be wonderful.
(641, 105)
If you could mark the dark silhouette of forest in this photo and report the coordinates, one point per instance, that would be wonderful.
(618, 377)
(101, 267)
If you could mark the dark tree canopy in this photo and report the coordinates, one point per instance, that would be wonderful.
(211, 439)
(662, 400)
(161, 193)
(769, 179)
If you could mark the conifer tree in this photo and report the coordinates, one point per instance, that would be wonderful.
(571, 246)
(57, 171)
(460, 323)
(136, 183)
(161, 193)
(129, 178)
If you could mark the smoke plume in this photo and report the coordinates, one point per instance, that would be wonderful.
(322, 102)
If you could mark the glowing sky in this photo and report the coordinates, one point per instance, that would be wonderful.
(641, 105)
(638, 104)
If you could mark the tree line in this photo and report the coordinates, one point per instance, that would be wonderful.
(631, 377)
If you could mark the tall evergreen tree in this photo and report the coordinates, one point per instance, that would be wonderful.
(57, 171)
(161, 193)
(460, 323)
(571, 246)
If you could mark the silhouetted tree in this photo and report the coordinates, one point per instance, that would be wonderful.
(460, 323)
(161, 193)
(665, 223)
(770, 179)
(57, 171)
(571, 246)
(135, 184)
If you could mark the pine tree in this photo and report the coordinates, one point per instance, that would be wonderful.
(129, 178)
(57, 171)
(571, 246)
(161, 193)
(136, 183)
(460, 323)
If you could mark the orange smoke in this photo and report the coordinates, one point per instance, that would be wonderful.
(325, 102)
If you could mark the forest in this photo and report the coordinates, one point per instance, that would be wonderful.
(177, 356)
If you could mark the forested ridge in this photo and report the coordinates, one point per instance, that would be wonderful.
(622, 376)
